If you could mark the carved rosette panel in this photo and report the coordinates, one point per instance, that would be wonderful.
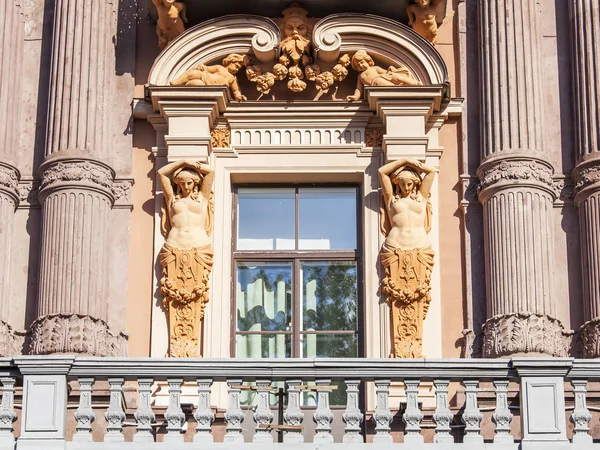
(496, 174)
(78, 173)
(75, 333)
(510, 334)
(9, 181)
(220, 137)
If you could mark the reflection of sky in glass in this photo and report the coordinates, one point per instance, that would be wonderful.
(327, 218)
(266, 219)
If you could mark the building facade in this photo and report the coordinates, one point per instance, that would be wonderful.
(367, 184)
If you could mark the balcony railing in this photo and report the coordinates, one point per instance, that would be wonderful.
(54, 400)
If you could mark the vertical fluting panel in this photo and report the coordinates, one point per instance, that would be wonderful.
(585, 45)
(510, 71)
(7, 211)
(585, 31)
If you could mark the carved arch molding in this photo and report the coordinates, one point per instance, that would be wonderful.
(389, 42)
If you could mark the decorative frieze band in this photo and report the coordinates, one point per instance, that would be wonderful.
(62, 172)
(9, 180)
(75, 333)
(585, 176)
(511, 334)
(498, 172)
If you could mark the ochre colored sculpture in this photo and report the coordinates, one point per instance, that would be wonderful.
(187, 255)
(372, 75)
(171, 16)
(217, 75)
(421, 17)
(406, 254)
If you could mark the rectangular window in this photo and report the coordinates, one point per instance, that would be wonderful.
(296, 272)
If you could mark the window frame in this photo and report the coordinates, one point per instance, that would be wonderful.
(296, 257)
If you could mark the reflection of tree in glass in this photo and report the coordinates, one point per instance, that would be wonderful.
(257, 315)
(336, 297)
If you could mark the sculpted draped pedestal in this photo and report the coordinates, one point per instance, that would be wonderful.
(407, 256)
(187, 255)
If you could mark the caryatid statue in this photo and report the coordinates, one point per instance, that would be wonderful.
(187, 255)
(406, 255)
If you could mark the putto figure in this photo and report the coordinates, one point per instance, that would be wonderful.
(187, 255)
(217, 75)
(171, 16)
(372, 75)
(421, 17)
(406, 256)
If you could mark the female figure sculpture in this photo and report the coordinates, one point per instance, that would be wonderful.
(187, 255)
(406, 255)
(422, 18)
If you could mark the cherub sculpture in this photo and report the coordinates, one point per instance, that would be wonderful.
(217, 75)
(421, 17)
(171, 16)
(372, 75)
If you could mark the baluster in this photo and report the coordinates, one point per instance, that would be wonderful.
(323, 415)
(353, 416)
(114, 414)
(442, 415)
(262, 414)
(472, 417)
(174, 415)
(412, 416)
(144, 414)
(502, 416)
(382, 415)
(293, 415)
(84, 414)
(203, 416)
(234, 414)
(581, 415)
(7, 410)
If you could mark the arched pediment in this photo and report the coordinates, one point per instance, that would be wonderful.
(212, 41)
(389, 42)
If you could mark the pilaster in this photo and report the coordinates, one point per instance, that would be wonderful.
(77, 187)
(585, 46)
(516, 187)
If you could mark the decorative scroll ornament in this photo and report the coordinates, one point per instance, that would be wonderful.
(220, 137)
(75, 333)
(406, 255)
(187, 255)
(374, 137)
(525, 333)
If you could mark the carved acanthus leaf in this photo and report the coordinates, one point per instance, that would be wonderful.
(525, 333)
(220, 137)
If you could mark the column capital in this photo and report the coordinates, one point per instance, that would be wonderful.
(511, 170)
(9, 181)
(64, 170)
(586, 176)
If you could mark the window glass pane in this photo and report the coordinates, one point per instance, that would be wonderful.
(327, 218)
(264, 296)
(263, 346)
(329, 295)
(266, 219)
(329, 345)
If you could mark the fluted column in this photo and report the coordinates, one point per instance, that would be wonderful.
(11, 56)
(585, 42)
(516, 186)
(76, 186)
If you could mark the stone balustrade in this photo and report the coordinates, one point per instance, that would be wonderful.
(84, 402)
